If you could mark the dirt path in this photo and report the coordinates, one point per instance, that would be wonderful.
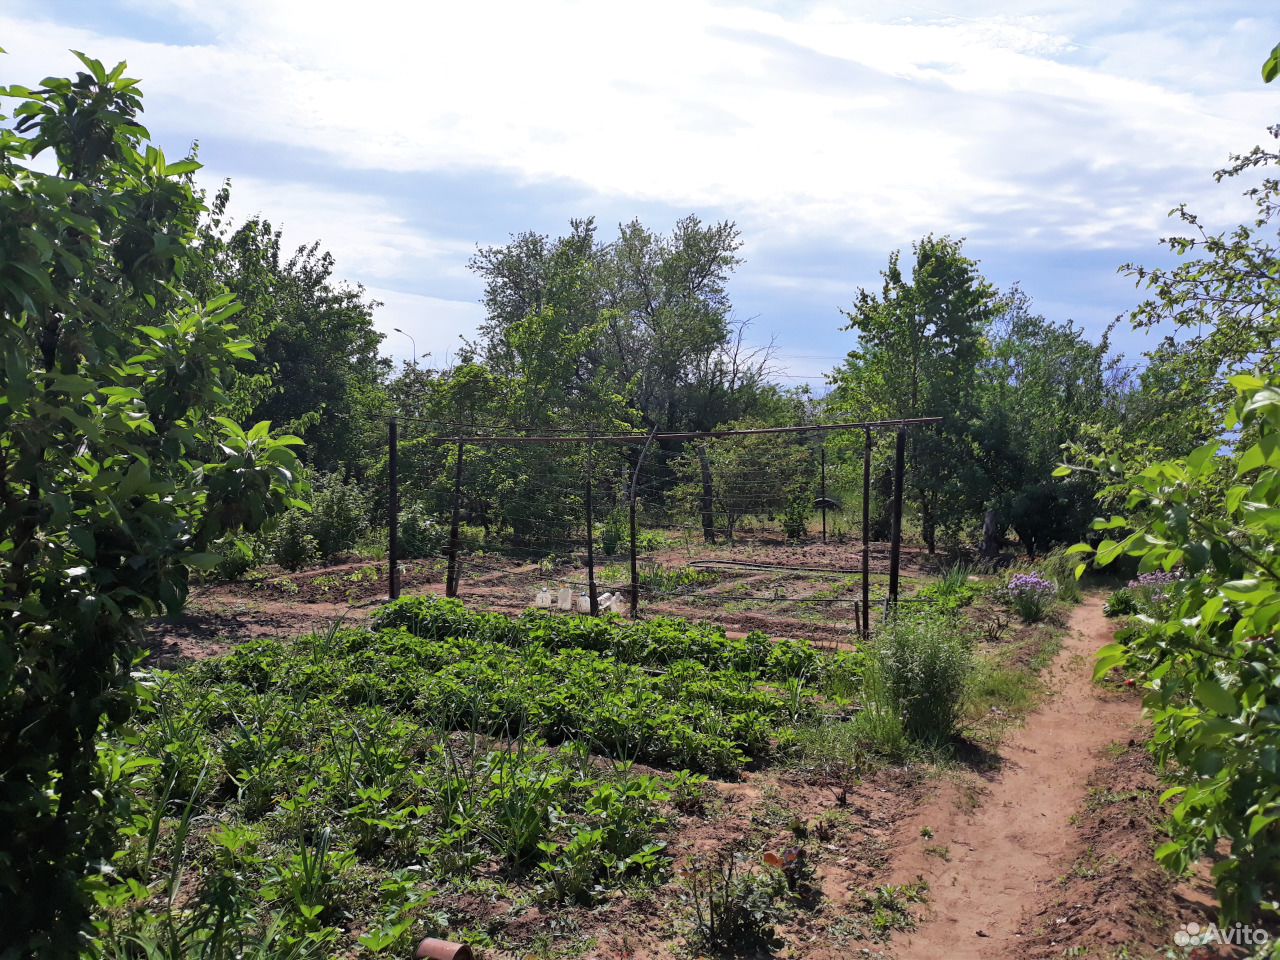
(996, 843)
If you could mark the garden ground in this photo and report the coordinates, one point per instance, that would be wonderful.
(1035, 842)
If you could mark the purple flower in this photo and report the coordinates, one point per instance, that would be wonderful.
(1154, 580)
(1026, 584)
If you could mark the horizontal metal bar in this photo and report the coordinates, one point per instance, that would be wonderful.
(515, 440)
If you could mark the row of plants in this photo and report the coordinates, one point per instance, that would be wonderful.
(274, 823)
(336, 523)
(687, 715)
(656, 642)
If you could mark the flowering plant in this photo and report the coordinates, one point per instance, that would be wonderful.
(1030, 595)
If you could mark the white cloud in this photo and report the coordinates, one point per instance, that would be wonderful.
(824, 120)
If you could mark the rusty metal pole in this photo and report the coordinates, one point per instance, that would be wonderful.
(866, 535)
(452, 575)
(635, 568)
(824, 493)
(895, 548)
(393, 510)
(591, 547)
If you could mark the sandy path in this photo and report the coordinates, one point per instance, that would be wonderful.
(1017, 837)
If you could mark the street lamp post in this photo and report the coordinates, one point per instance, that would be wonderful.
(412, 341)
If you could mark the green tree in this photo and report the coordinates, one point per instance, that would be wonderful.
(1039, 382)
(920, 341)
(317, 371)
(1221, 308)
(117, 472)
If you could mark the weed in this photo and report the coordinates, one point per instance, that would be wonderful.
(734, 907)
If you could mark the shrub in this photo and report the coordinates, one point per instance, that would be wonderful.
(339, 515)
(918, 666)
(236, 558)
(420, 535)
(1059, 568)
(292, 545)
(1030, 595)
(733, 908)
(795, 518)
(615, 531)
(1122, 603)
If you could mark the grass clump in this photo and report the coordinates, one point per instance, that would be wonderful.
(917, 668)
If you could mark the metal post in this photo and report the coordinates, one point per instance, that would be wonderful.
(591, 547)
(451, 577)
(895, 548)
(866, 536)
(635, 569)
(824, 493)
(393, 510)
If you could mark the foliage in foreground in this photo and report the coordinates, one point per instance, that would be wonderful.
(1206, 651)
(116, 471)
(324, 827)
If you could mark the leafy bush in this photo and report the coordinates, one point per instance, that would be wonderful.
(236, 557)
(420, 535)
(292, 545)
(795, 518)
(918, 665)
(1211, 661)
(615, 531)
(733, 907)
(1121, 603)
(1030, 596)
(339, 515)
(1058, 567)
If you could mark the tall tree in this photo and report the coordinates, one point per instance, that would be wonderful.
(317, 369)
(920, 341)
(117, 469)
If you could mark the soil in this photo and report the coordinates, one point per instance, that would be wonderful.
(1050, 847)
(1040, 847)
(278, 603)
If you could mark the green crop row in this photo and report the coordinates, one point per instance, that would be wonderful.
(292, 826)
(655, 642)
(688, 715)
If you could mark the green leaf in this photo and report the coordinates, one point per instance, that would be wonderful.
(1200, 460)
(1108, 550)
(1212, 695)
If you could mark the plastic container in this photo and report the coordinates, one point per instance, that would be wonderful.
(543, 599)
(564, 599)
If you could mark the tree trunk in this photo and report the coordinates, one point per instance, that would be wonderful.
(708, 497)
(990, 534)
(928, 526)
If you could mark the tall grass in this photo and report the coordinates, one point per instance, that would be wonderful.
(919, 663)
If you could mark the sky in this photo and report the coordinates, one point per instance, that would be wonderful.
(1054, 137)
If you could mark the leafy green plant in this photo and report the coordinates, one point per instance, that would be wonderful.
(1121, 603)
(920, 663)
(795, 518)
(733, 906)
(1208, 666)
(339, 515)
(292, 545)
(119, 474)
(421, 536)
